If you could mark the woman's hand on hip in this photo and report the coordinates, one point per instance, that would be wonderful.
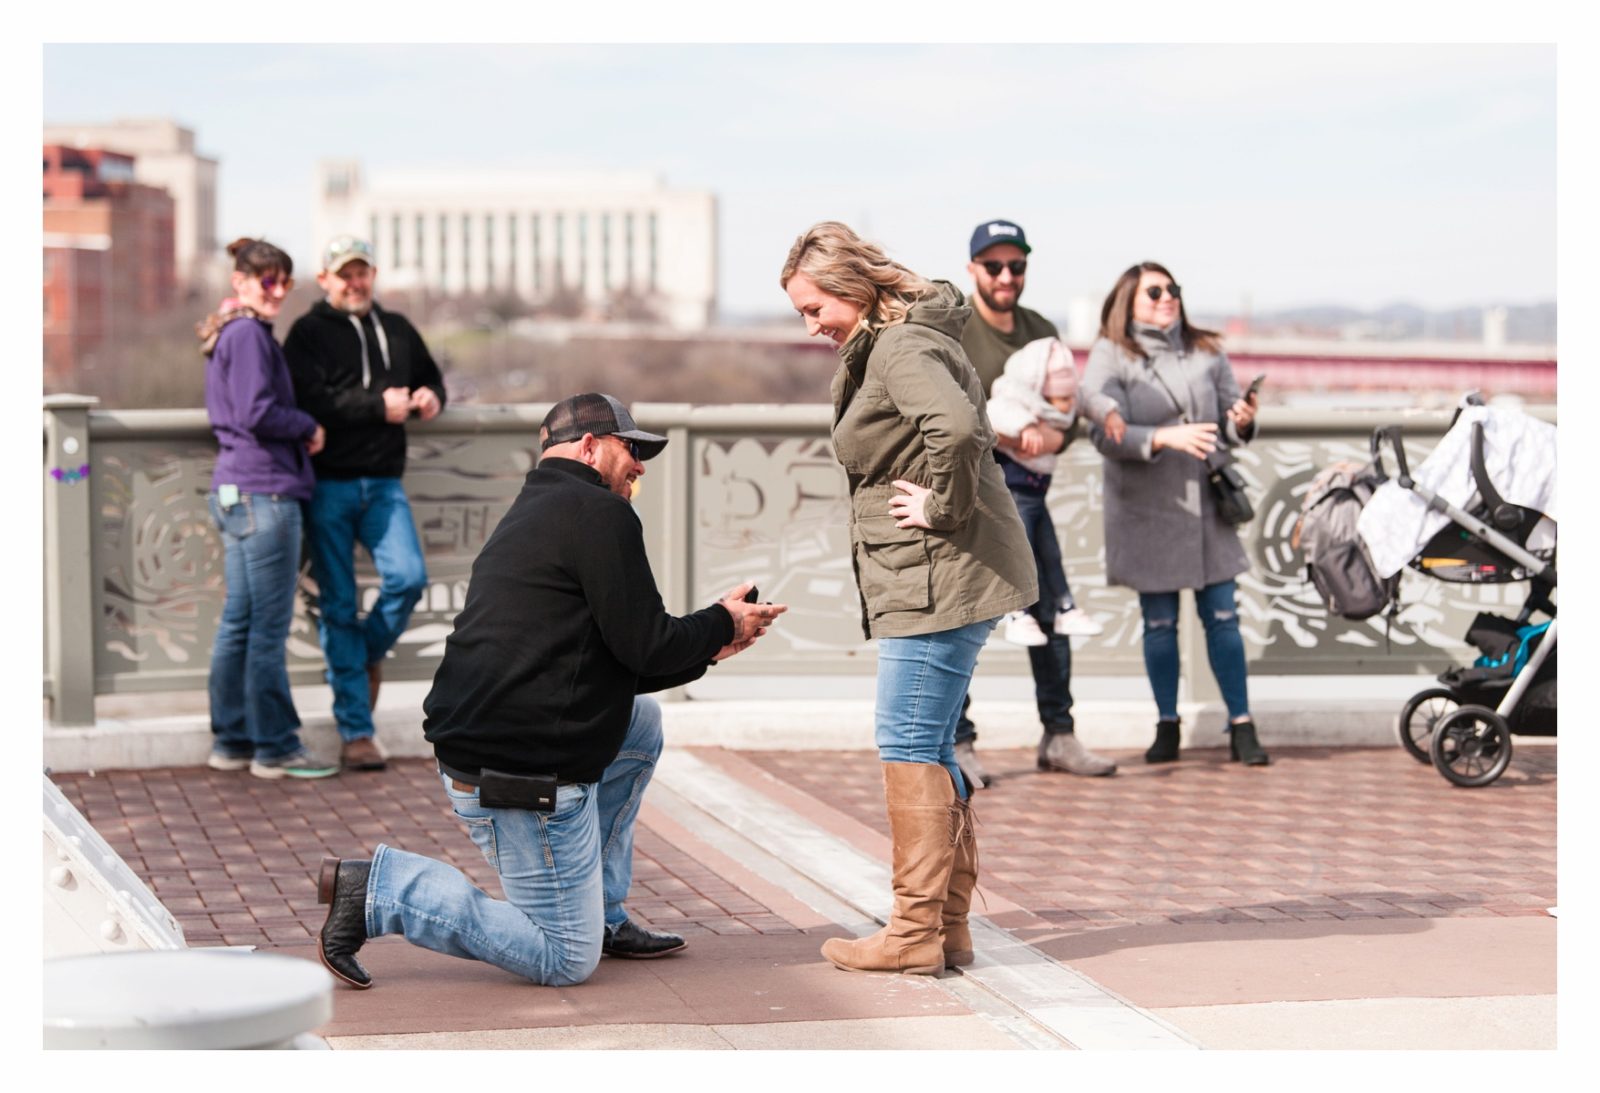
(909, 508)
(1198, 439)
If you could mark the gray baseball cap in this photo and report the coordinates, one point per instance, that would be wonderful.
(599, 414)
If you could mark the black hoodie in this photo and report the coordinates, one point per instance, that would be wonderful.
(344, 392)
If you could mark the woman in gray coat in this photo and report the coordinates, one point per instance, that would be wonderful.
(939, 555)
(1175, 389)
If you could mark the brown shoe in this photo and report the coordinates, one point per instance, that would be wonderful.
(374, 681)
(362, 753)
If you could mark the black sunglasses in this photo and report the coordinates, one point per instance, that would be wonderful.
(1017, 266)
(631, 445)
(1154, 291)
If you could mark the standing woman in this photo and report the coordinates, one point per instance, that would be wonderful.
(1175, 389)
(939, 555)
(263, 475)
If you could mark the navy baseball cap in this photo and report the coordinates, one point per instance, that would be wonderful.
(599, 414)
(990, 232)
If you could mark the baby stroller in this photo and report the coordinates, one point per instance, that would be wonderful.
(1457, 508)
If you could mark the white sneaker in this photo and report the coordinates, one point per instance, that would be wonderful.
(1077, 623)
(1023, 629)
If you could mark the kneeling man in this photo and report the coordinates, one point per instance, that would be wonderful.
(544, 740)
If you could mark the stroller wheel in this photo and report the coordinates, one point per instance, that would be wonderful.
(1472, 746)
(1418, 717)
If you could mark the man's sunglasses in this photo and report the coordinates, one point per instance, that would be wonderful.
(1017, 266)
(1154, 291)
(271, 284)
(631, 445)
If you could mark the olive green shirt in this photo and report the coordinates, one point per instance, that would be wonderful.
(988, 348)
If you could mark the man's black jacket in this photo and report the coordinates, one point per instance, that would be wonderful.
(563, 625)
(343, 390)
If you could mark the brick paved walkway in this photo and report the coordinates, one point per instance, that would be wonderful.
(1324, 833)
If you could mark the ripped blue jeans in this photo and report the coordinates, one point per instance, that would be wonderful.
(1219, 614)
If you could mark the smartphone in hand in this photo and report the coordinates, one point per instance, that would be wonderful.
(1255, 385)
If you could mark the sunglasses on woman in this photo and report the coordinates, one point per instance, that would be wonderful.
(272, 284)
(1017, 266)
(1154, 291)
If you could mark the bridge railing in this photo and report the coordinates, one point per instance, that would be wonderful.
(134, 574)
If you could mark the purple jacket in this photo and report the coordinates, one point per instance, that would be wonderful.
(250, 401)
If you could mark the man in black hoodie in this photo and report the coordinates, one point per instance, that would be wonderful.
(361, 372)
(542, 724)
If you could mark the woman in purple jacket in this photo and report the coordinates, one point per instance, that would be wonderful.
(262, 476)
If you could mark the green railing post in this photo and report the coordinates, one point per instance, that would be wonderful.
(69, 560)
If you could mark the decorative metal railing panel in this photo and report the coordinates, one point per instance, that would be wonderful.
(742, 492)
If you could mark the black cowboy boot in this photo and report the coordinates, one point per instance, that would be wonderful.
(1165, 748)
(343, 886)
(1244, 747)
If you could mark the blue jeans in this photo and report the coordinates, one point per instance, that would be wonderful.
(1219, 614)
(1052, 663)
(565, 873)
(252, 713)
(921, 682)
(375, 513)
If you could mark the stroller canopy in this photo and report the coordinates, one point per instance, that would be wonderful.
(1520, 452)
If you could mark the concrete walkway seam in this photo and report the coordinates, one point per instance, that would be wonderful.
(1068, 1005)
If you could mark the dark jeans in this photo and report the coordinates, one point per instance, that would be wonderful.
(1052, 663)
(1219, 615)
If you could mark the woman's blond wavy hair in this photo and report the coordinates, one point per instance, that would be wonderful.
(844, 265)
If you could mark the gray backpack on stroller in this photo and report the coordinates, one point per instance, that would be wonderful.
(1337, 561)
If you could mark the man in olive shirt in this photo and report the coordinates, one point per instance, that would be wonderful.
(998, 254)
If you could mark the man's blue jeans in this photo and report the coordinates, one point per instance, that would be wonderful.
(921, 682)
(565, 873)
(1052, 663)
(375, 513)
(1219, 615)
(252, 713)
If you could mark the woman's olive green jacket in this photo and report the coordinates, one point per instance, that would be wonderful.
(908, 405)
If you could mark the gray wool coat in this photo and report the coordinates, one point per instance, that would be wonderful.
(1162, 531)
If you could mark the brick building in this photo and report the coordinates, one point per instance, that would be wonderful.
(108, 255)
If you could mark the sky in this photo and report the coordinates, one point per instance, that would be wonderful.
(1264, 176)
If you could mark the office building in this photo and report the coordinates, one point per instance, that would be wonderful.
(611, 244)
(164, 156)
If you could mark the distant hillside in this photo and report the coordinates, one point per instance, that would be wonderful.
(1529, 324)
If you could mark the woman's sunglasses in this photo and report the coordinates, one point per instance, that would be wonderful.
(1154, 291)
(1017, 266)
(271, 284)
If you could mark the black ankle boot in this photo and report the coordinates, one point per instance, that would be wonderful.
(1244, 746)
(1165, 749)
(343, 886)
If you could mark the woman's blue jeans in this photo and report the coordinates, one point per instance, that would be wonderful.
(1219, 615)
(921, 682)
(564, 873)
(252, 712)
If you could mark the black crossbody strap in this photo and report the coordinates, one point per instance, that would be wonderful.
(1183, 416)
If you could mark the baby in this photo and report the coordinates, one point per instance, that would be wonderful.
(1040, 387)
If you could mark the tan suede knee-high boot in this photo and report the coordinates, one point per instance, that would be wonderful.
(918, 796)
(963, 879)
